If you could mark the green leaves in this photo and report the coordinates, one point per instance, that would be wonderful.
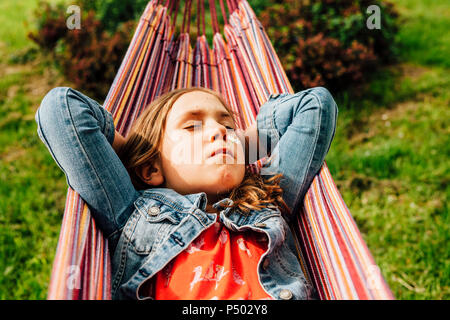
(328, 43)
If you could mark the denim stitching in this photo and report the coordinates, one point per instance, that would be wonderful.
(273, 127)
(109, 127)
(160, 240)
(87, 157)
(131, 225)
(195, 215)
(285, 268)
(316, 137)
(123, 253)
(44, 138)
(166, 202)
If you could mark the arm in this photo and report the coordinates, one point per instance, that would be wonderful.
(80, 136)
(298, 130)
(118, 142)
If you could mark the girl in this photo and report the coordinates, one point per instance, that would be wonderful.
(183, 215)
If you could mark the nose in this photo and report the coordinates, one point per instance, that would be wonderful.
(217, 131)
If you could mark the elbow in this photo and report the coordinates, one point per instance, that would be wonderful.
(47, 113)
(326, 108)
(327, 114)
(325, 100)
(50, 115)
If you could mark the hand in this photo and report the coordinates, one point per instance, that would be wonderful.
(119, 141)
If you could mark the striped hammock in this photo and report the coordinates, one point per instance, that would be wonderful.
(244, 67)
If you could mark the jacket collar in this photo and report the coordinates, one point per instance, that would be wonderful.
(183, 203)
(191, 202)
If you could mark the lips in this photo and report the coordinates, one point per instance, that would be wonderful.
(224, 151)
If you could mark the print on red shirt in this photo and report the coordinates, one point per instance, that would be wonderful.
(219, 264)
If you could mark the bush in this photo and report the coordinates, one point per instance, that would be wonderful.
(51, 25)
(320, 43)
(259, 5)
(112, 13)
(90, 56)
(327, 42)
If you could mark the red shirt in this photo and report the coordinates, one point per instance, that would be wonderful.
(219, 264)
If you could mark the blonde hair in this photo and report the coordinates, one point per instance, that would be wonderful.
(143, 144)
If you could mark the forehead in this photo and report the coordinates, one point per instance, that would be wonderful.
(196, 101)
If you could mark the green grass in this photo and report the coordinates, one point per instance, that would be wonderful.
(389, 159)
(424, 33)
(390, 167)
(32, 192)
(13, 18)
(32, 188)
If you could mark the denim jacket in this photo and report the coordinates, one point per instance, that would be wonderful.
(147, 229)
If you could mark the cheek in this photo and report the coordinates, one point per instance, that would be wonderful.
(241, 172)
(240, 154)
(179, 161)
(178, 149)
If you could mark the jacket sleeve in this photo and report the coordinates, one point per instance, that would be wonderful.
(79, 133)
(297, 130)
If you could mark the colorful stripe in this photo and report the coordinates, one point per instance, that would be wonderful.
(244, 67)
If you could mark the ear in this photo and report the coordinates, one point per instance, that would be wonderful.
(151, 175)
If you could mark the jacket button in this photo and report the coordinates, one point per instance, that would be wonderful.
(260, 225)
(285, 294)
(153, 211)
(265, 264)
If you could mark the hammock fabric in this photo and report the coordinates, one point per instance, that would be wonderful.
(244, 67)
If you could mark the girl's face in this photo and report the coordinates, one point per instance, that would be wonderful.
(200, 150)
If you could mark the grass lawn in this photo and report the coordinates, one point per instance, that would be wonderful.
(389, 158)
(32, 190)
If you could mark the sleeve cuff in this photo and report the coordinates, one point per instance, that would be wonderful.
(267, 132)
(109, 127)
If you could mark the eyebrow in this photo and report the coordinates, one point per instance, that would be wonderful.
(200, 113)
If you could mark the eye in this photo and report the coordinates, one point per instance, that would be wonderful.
(228, 125)
(193, 126)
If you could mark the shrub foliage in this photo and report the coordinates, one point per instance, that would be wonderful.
(327, 42)
(319, 42)
(112, 13)
(90, 56)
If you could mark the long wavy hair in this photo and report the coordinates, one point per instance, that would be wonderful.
(143, 145)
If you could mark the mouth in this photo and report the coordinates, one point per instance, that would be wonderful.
(222, 151)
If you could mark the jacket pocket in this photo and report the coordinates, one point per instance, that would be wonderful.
(147, 235)
(152, 226)
(288, 262)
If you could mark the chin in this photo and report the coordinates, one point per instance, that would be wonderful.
(213, 179)
(230, 178)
